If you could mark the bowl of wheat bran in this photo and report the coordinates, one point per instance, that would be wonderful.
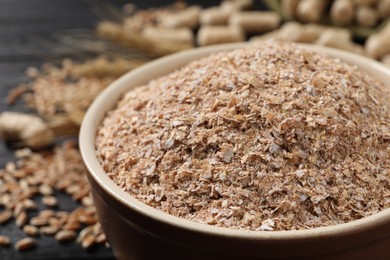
(240, 151)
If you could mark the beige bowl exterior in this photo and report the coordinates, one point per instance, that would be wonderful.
(138, 231)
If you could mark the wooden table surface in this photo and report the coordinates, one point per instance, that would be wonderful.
(28, 37)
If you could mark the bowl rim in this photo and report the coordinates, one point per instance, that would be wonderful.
(120, 86)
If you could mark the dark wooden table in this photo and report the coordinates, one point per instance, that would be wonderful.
(28, 31)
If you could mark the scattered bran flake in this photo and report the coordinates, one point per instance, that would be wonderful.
(268, 139)
(41, 173)
(78, 84)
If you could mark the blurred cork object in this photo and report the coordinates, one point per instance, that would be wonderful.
(362, 18)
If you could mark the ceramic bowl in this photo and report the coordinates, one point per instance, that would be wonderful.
(138, 231)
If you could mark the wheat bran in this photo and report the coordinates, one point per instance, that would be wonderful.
(270, 137)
